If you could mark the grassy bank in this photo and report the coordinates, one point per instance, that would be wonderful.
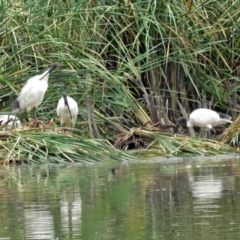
(132, 64)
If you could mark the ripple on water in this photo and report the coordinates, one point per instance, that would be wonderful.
(38, 222)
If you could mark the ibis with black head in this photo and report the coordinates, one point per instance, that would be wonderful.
(32, 93)
(67, 111)
(204, 118)
(10, 121)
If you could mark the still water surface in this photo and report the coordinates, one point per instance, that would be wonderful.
(178, 200)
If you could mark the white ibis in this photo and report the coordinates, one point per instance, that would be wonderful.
(11, 121)
(67, 110)
(32, 93)
(203, 117)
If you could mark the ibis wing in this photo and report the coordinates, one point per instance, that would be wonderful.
(74, 112)
(205, 117)
(58, 113)
(202, 117)
(32, 94)
(59, 107)
(30, 82)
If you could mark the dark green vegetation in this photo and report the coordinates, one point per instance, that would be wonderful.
(132, 66)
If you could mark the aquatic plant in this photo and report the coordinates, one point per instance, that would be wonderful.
(128, 64)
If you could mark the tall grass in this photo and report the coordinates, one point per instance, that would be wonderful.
(130, 62)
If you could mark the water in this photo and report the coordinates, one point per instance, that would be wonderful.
(170, 200)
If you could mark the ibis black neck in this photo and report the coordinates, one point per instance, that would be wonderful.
(66, 103)
(181, 121)
(49, 70)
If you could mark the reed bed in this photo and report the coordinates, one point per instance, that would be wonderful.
(130, 64)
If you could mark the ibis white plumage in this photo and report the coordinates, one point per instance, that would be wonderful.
(67, 110)
(203, 117)
(32, 93)
(11, 122)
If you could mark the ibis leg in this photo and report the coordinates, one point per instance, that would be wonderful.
(35, 116)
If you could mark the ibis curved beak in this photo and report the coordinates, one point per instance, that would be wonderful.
(49, 70)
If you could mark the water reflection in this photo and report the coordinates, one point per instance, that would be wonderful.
(71, 212)
(38, 222)
(160, 201)
(207, 188)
